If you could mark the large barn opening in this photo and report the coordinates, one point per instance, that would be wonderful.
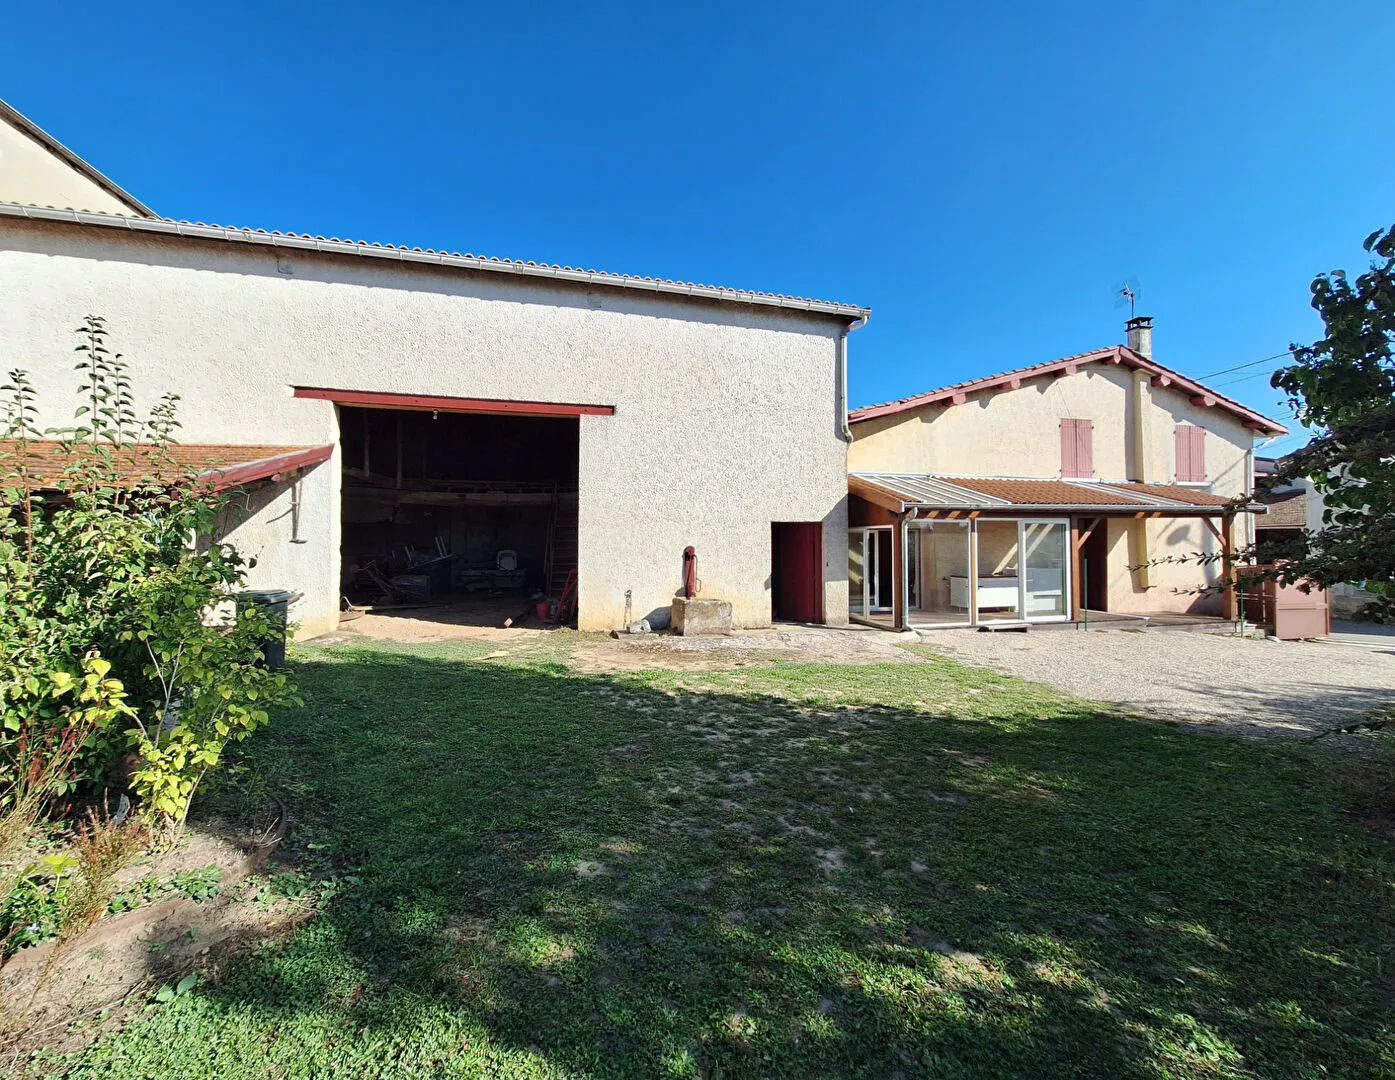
(472, 514)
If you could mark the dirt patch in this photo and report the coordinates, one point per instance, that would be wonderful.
(806, 645)
(60, 998)
(431, 624)
(595, 655)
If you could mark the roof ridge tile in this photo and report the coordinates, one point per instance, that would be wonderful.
(1047, 367)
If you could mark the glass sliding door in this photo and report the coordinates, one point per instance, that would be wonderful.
(997, 570)
(999, 585)
(1045, 549)
(937, 561)
(857, 575)
(870, 579)
(880, 584)
(1023, 570)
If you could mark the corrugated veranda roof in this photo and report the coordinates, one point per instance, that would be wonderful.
(1017, 493)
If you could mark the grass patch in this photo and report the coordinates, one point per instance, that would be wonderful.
(919, 870)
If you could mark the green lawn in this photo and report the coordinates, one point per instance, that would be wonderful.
(918, 870)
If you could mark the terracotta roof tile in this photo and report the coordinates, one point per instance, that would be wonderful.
(982, 383)
(223, 465)
(1042, 492)
(1118, 354)
(1287, 510)
(1177, 493)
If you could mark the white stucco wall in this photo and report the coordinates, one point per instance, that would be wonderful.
(287, 553)
(725, 415)
(33, 175)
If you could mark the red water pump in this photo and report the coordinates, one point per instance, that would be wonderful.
(690, 578)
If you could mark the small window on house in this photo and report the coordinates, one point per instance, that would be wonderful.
(1191, 454)
(1078, 449)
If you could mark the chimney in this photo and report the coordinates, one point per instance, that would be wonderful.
(1140, 339)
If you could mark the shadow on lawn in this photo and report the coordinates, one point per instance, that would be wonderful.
(624, 876)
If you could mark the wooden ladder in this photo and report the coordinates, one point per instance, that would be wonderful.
(563, 551)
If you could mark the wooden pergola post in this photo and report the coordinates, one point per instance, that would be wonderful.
(1078, 538)
(1228, 564)
(1075, 543)
(899, 578)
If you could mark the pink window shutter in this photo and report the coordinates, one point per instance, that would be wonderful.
(1077, 448)
(1191, 453)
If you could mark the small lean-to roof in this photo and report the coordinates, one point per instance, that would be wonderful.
(957, 393)
(1287, 510)
(333, 245)
(221, 466)
(905, 491)
(43, 138)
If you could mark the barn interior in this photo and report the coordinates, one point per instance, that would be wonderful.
(478, 511)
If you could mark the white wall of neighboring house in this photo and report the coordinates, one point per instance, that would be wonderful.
(1314, 508)
(725, 419)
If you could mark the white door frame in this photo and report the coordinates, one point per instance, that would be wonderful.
(1022, 524)
(911, 566)
(871, 567)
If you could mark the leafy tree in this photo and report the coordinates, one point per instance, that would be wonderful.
(1343, 386)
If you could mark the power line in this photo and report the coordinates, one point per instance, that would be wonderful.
(1252, 363)
(1241, 379)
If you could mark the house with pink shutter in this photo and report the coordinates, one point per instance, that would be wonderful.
(1058, 492)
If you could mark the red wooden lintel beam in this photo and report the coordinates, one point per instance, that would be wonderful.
(429, 402)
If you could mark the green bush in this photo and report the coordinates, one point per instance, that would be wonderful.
(107, 556)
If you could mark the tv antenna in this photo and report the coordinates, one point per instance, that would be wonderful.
(1126, 292)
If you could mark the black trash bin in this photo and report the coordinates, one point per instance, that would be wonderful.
(275, 603)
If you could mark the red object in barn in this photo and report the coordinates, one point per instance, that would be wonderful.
(690, 578)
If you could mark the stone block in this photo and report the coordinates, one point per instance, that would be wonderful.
(700, 616)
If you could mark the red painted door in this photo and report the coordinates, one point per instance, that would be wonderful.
(796, 576)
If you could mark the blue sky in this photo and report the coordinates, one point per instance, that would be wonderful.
(983, 179)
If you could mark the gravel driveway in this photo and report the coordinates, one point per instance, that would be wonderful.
(1263, 688)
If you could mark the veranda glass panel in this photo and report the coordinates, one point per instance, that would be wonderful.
(857, 579)
(1045, 545)
(997, 571)
(937, 557)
